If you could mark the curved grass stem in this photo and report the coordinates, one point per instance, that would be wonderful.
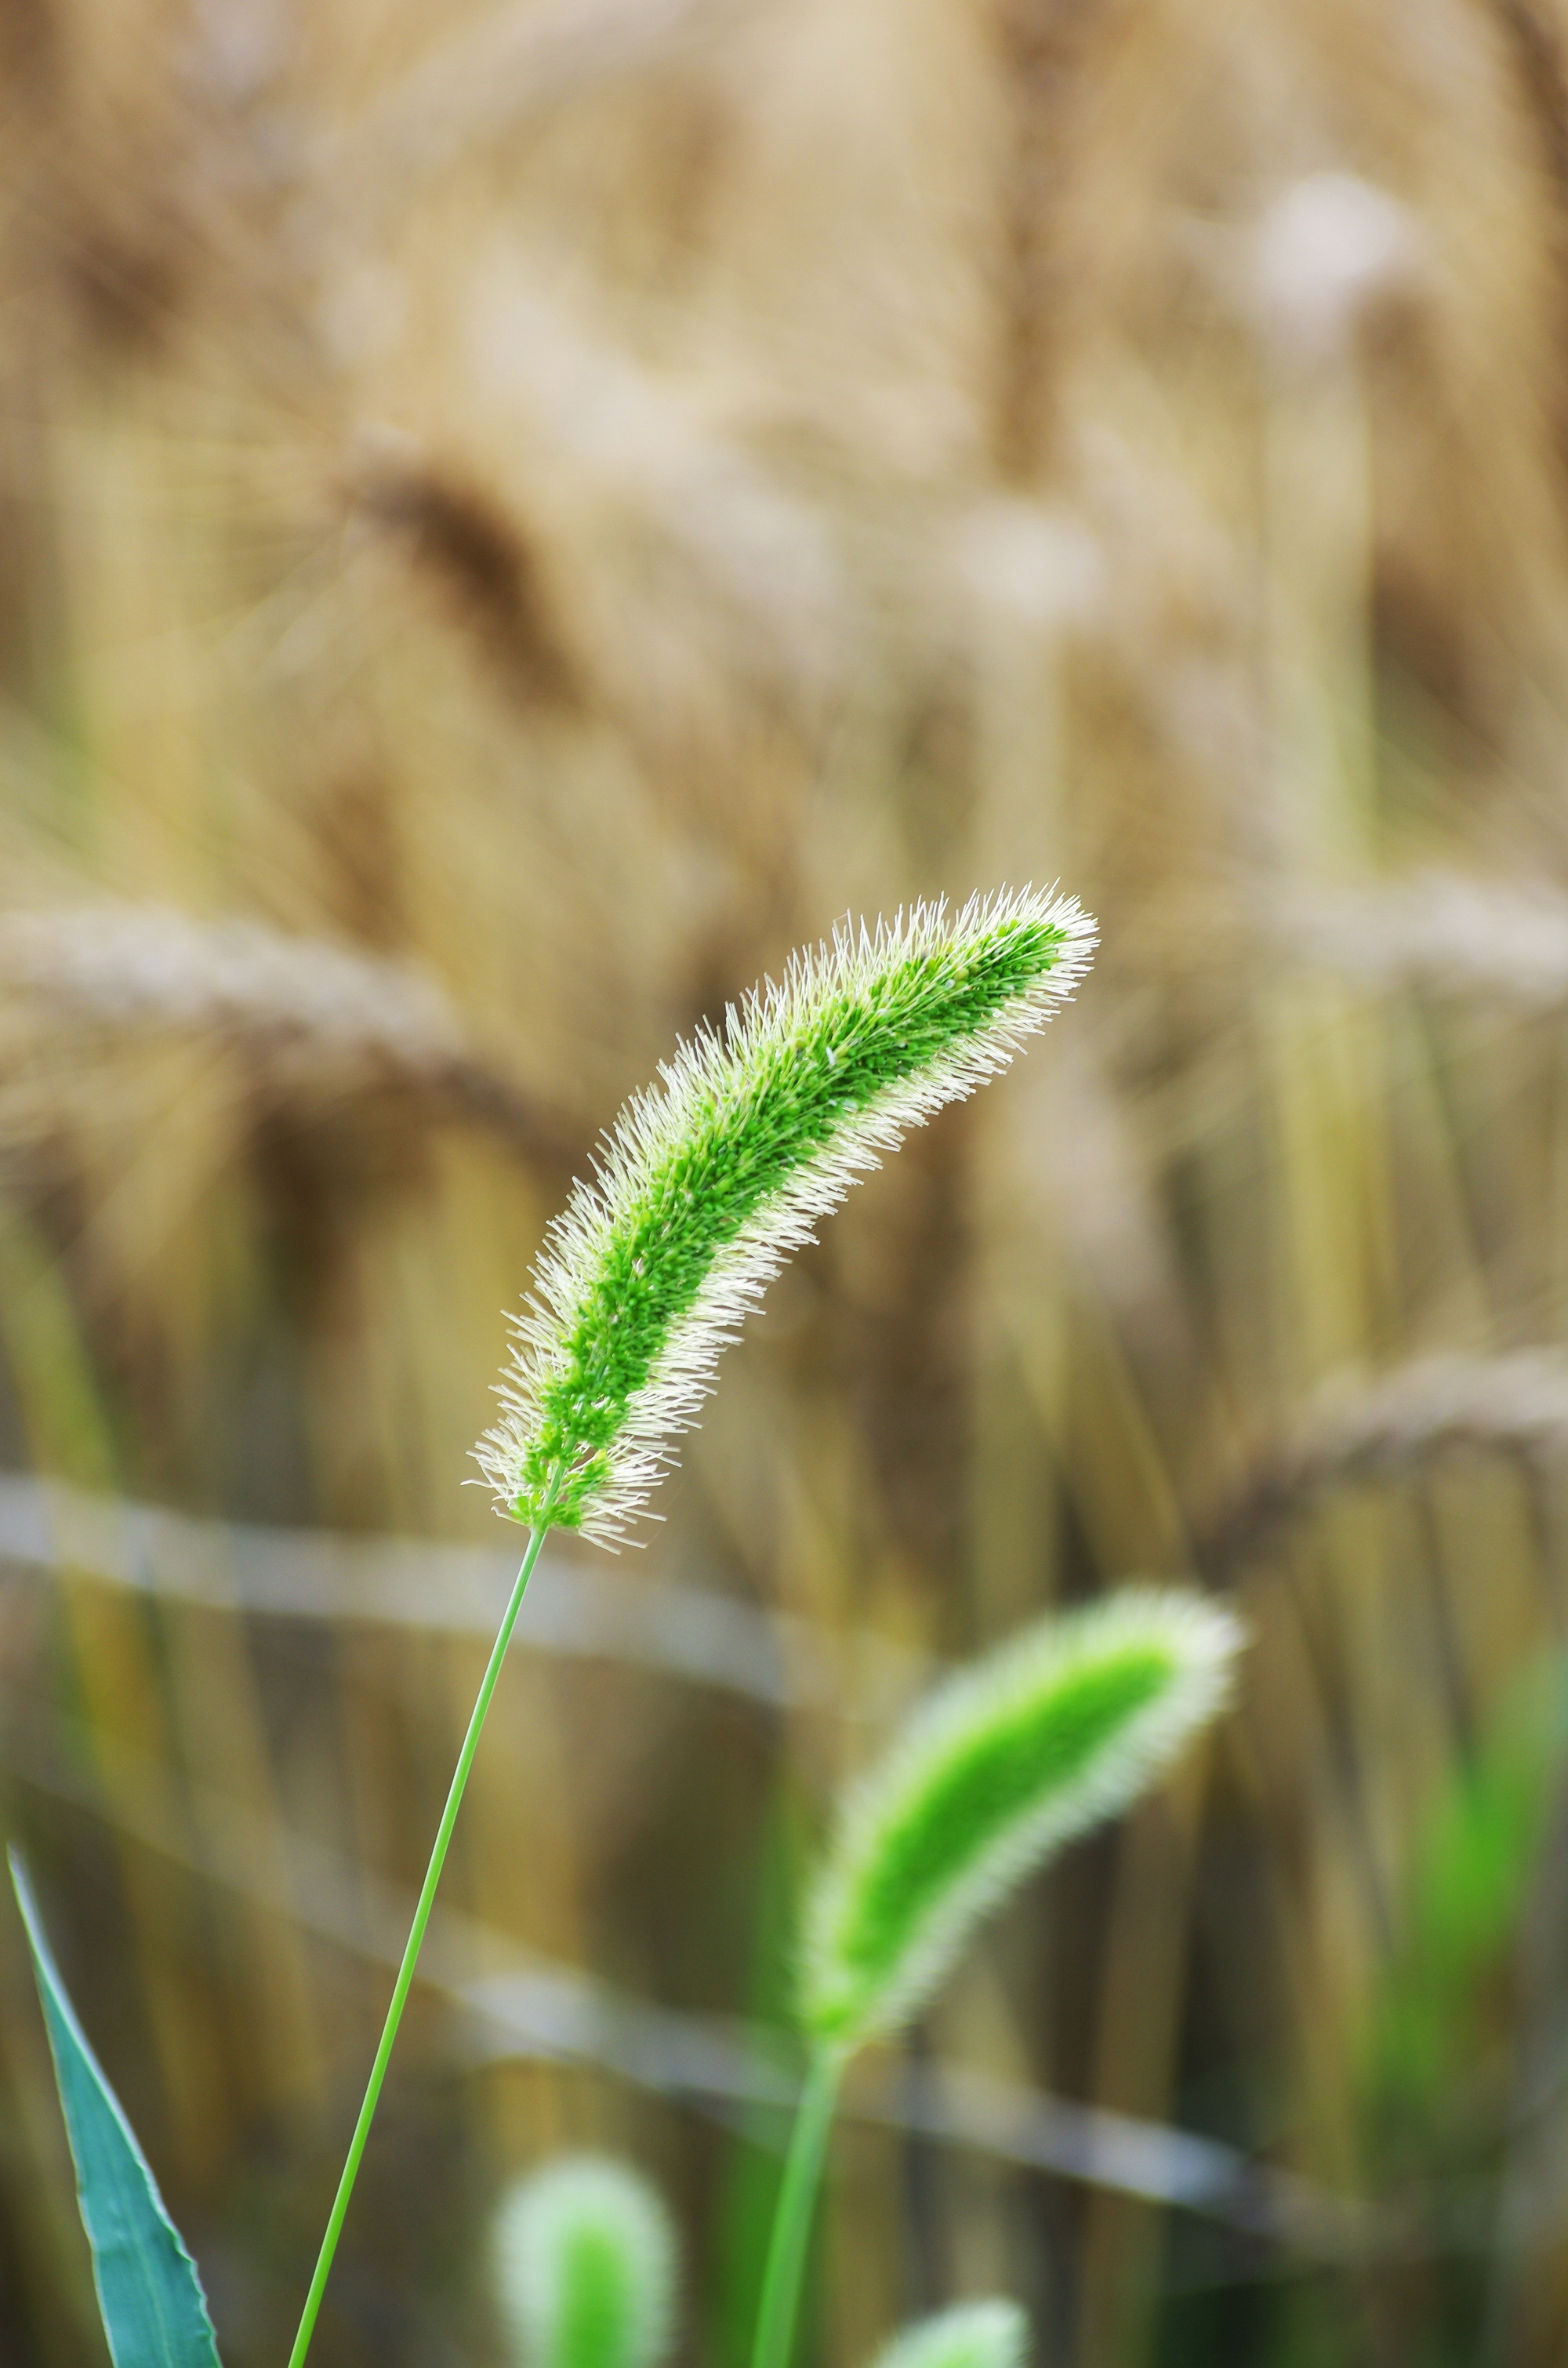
(405, 1971)
(792, 2219)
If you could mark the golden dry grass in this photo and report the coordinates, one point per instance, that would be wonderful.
(516, 515)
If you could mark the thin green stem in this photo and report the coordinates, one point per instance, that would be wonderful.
(792, 2218)
(404, 1981)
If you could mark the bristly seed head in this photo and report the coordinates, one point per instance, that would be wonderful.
(585, 2266)
(970, 2335)
(1059, 1728)
(712, 1179)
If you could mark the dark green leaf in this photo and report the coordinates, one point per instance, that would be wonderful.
(154, 2310)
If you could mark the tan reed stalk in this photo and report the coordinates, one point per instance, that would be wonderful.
(677, 505)
(478, 551)
(1431, 1408)
(515, 65)
(317, 1025)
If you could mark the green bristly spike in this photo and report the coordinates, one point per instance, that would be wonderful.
(709, 1183)
(585, 2268)
(970, 2335)
(1002, 1765)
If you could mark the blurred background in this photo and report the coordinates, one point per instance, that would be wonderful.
(514, 516)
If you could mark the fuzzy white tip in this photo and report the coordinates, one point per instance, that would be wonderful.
(993, 2334)
(585, 2260)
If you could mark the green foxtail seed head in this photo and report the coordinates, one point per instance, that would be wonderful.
(585, 2267)
(1004, 1763)
(970, 2335)
(711, 1179)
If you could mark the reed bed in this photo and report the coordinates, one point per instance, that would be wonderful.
(515, 521)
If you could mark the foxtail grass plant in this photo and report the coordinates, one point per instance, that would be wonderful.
(706, 1185)
(585, 2260)
(1057, 1730)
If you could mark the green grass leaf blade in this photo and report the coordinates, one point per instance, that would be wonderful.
(154, 2313)
(1004, 1765)
(1436, 2039)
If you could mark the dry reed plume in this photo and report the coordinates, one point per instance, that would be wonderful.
(314, 1026)
(1436, 1406)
